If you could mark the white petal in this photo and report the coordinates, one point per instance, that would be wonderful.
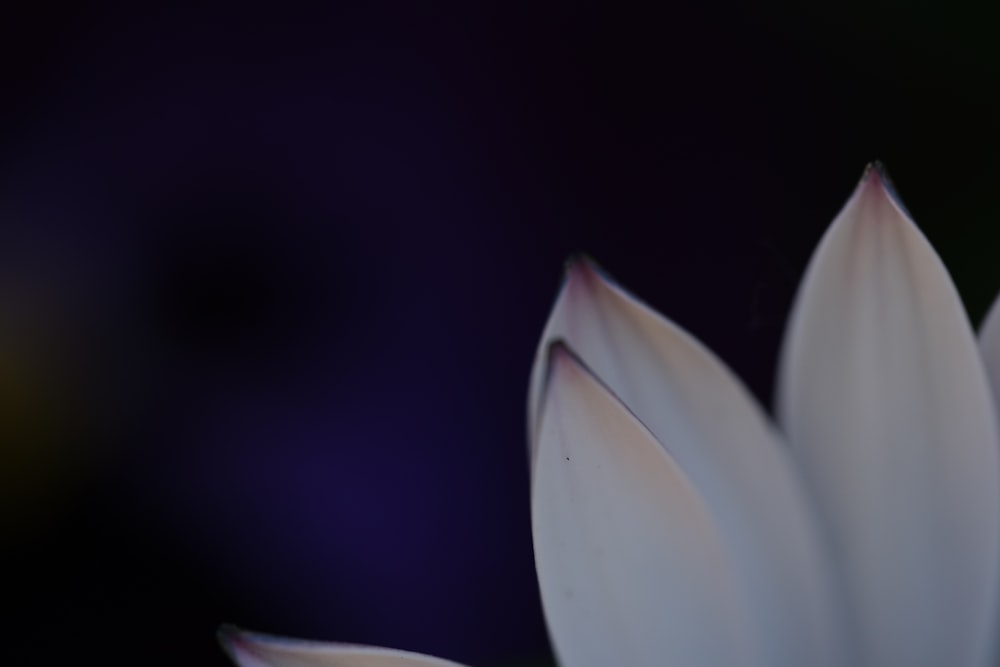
(885, 402)
(716, 434)
(632, 569)
(248, 649)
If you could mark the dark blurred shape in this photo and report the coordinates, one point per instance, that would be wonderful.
(45, 418)
(228, 276)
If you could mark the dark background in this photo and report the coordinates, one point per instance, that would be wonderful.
(271, 280)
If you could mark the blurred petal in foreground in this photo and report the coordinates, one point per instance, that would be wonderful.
(250, 649)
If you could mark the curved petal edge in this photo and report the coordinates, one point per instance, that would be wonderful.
(251, 649)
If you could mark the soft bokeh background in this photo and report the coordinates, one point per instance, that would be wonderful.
(271, 280)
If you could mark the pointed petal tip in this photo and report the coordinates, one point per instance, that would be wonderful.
(576, 261)
(562, 358)
(875, 181)
(566, 367)
(237, 642)
(875, 171)
(557, 349)
(583, 271)
(579, 271)
(579, 266)
(227, 634)
(232, 640)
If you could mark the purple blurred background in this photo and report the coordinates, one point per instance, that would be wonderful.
(271, 280)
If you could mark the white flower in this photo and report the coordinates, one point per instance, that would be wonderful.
(675, 526)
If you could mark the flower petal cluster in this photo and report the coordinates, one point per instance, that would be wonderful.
(676, 524)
